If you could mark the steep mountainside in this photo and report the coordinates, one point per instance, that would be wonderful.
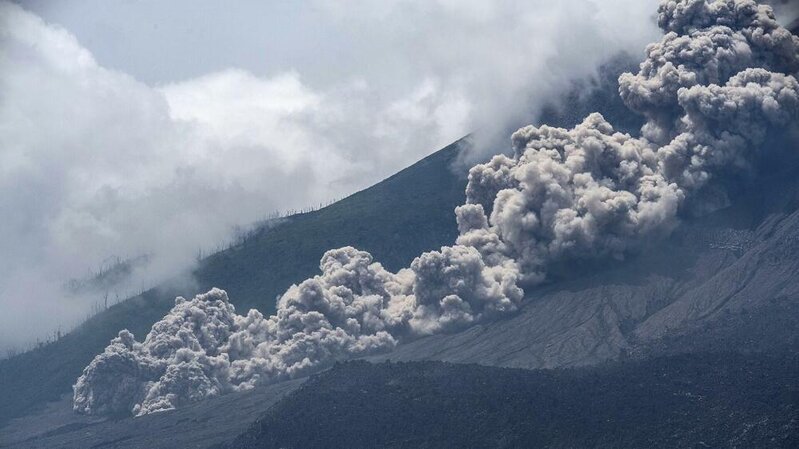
(395, 220)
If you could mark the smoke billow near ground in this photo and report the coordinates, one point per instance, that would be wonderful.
(720, 82)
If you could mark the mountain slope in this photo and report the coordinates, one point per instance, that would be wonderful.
(197, 426)
(395, 220)
(688, 401)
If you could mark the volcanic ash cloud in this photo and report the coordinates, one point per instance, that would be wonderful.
(202, 348)
(722, 79)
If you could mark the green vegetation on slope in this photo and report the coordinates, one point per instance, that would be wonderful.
(395, 220)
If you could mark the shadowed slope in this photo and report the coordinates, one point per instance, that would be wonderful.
(395, 220)
(196, 426)
(688, 401)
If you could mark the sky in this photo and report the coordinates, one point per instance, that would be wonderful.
(146, 128)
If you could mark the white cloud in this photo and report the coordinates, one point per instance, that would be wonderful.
(94, 163)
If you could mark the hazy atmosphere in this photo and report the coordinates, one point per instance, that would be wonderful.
(149, 132)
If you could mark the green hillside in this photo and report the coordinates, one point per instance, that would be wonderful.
(395, 220)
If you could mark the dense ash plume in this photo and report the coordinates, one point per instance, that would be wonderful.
(706, 43)
(711, 89)
(720, 80)
(202, 348)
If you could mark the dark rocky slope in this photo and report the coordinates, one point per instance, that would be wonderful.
(198, 425)
(687, 401)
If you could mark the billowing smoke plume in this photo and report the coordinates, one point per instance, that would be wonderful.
(710, 90)
(355, 307)
(719, 81)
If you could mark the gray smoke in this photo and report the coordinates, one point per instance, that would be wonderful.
(719, 81)
(706, 43)
(710, 90)
(355, 307)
